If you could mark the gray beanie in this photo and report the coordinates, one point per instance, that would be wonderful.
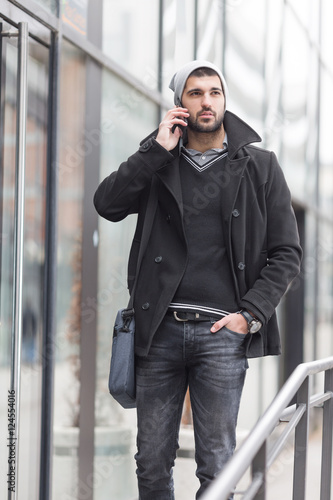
(179, 79)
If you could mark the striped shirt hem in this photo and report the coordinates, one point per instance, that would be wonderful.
(210, 311)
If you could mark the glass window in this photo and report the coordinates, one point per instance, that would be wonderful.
(318, 272)
(127, 117)
(244, 59)
(50, 5)
(29, 405)
(178, 39)
(327, 33)
(274, 119)
(75, 14)
(209, 31)
(33, 276)
(70, 171)
(7, 208)
(294, 103)
(308, 273)
(325, 143)
(130, 36)
(324, 333)
(302, 10)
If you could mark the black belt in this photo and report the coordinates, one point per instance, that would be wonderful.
(190, 316)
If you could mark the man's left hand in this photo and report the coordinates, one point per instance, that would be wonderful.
(235, 322)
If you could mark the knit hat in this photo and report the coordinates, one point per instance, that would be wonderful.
(179, 79)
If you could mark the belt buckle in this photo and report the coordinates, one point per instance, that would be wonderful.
(176, 317)
(197, 316)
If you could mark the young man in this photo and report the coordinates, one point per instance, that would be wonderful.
(222, 250)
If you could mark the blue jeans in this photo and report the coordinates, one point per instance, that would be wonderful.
(213, 366)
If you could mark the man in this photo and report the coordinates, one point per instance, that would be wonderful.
(222, 250)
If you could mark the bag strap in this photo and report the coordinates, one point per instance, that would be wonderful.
(147, 225)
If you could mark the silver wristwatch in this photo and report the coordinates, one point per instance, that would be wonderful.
(254, 324)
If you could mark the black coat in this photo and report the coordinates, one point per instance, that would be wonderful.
(258, 222)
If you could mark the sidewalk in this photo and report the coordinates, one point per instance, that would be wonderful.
(279, 479)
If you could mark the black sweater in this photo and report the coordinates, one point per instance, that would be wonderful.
(207, 282)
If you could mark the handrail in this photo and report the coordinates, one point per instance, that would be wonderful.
(253, 451)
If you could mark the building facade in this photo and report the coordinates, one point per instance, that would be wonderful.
(82, 83)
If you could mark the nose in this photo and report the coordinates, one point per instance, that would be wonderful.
(206, 100)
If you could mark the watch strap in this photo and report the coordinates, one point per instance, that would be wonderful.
(249, 318)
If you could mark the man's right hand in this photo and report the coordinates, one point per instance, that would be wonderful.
(165, 136)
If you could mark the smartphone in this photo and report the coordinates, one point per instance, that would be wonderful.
(180, 126)
(179, 104)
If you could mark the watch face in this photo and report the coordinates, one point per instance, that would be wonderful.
(255, 326)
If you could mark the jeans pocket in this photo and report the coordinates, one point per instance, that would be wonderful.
(241, 336)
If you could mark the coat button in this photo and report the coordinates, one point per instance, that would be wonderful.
(145, 306)
(235, 213)
(168, 218)
(158, 259)
(241, 266)
(145, 146)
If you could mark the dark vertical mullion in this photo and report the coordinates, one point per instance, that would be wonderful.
(50, 270)
(90, 255)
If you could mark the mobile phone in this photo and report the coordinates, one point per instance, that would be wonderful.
(177, 125)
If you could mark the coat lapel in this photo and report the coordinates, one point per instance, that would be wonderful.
(239, 133)
(234, 170)
(170, 177)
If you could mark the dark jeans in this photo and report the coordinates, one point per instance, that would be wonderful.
(213, 366)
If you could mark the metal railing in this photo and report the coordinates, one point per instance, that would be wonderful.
(254, 452)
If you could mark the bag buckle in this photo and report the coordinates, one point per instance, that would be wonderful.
(127, 316)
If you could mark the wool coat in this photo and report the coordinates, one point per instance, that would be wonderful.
(257, 218)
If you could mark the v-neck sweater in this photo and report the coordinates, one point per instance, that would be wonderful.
(207, 284)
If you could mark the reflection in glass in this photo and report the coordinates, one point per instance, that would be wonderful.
(325, 143)
(7, 178)
(127, 117)
(70, 170)
(244, 60)
(130, 37)
(33, 272)
(178, 39)
(50, 5)
(324, 334)
(33, 258)
(209, 31)
(295, 59)
(326, 33)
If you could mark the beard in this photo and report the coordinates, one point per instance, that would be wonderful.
(195, 126)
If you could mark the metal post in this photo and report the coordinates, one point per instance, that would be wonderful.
(301, 443)
(327, 440)
(259, 469)
(23, 35)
